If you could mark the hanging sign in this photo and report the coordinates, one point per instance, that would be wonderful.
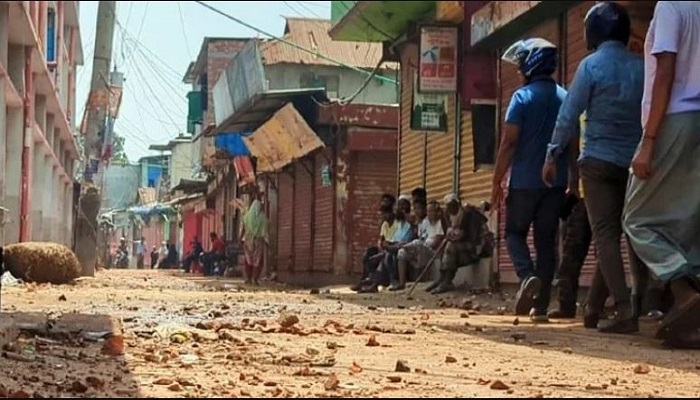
(438, 59)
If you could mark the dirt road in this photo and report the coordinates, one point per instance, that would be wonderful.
(149, 334)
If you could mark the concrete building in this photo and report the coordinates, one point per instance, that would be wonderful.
(40, 49)
(181, 165)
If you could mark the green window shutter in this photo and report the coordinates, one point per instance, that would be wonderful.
(195, 110)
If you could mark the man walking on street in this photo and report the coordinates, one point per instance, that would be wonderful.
(608, 87)
(529, 123)
(662, 214)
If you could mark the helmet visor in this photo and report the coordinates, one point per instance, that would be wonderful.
(519, 50)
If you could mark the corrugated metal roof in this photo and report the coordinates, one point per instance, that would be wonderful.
(312, 34)
(282, 139)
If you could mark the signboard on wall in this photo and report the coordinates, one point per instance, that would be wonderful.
(428, 110)
(438, 59)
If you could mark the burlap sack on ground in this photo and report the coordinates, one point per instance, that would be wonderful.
(41, 262)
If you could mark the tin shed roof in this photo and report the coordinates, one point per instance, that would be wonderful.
(312, 34)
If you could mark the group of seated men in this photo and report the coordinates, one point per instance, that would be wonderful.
(416, 234)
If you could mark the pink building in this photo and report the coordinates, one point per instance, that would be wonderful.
(40, 49)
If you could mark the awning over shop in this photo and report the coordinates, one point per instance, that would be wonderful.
(261, 106)
(500, 23)
(184, 199)
(376, 21)
(190, 186)
(282, 139)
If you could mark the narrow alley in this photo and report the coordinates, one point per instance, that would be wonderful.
(129, 333)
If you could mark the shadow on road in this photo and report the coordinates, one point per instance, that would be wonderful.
(570, 337)
(72, 355)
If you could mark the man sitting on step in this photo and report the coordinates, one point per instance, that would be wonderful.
(468, 241)
(431, 232)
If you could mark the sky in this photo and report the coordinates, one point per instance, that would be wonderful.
(154, 42)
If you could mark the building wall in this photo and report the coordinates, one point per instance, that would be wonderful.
(180, 163)
(288, 76)
(47, 91)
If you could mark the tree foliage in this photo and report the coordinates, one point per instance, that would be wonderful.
(118, 153)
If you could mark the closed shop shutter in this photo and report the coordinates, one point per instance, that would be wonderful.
(510, 81)
(303, 215)
(370, 174)
(324, 218)
(411, 143)
(285, 222)
(219, 216)
(474, 187)
(439, 171)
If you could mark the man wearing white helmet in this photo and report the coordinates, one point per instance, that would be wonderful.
(529, 122)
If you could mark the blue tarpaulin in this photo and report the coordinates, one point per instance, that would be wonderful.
(232, 143)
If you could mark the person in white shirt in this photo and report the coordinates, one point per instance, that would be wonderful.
(431, 232)
(662, 210)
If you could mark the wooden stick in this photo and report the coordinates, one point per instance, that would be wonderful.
(427, 266)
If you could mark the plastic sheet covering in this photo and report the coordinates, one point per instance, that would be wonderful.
(232, 143)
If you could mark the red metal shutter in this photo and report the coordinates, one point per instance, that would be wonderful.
(370, 174)
(285, 222)
(510, 82)
(303, 215)
(324, 216)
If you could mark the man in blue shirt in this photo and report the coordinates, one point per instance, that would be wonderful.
(529, 123)
(608, 86)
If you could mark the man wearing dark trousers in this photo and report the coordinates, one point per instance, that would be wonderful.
(529, 122)
(577, 241)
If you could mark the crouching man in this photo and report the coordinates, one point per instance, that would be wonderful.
(468, 241)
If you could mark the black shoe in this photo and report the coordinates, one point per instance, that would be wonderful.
(625, 320)
(622, 326)
(395, 287)
(525, 299)
(563, 312)
(369, 289)
(590, 321)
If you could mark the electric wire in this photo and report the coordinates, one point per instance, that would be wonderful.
(292, 44)
(310, 11)
(184, 31)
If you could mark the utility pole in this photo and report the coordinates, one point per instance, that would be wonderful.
(98, 105)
